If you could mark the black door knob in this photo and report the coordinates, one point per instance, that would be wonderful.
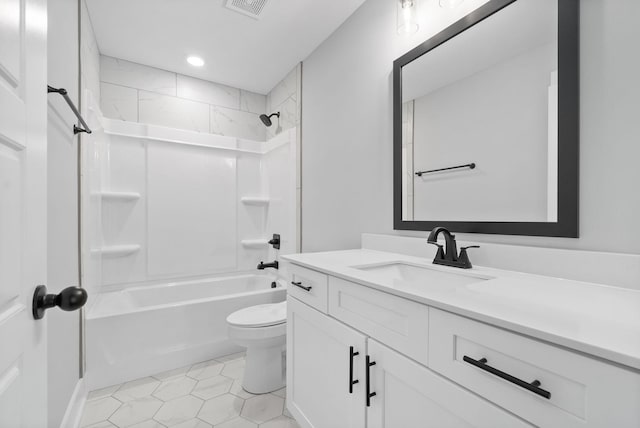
(69, 299)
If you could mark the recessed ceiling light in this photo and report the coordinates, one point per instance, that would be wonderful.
(196, 61)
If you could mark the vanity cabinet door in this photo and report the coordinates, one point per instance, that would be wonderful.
(318, 369)
(408, 395)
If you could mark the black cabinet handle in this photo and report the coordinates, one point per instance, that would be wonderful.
(533, 386)
(299, 285)
(369, 363)
(351, 380)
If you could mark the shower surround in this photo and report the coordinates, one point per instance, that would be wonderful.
(163, 207)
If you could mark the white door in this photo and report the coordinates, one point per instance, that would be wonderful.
(23, 154)
(409, 395)
(319, 355)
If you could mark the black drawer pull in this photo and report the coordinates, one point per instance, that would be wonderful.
(533, 386)
(299, 285)
(351, 380)
(369, 363)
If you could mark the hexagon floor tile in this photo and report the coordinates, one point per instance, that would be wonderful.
(103, 424)
(280, 422)
(135, 411)
(148, 424)
(221, 409)
(262, 408)
(98, 410)
(205, 370)
(233, 369)
(135, 389)
(204, 395)
(179, 410)
(174, 388)
(193, 423)
(237, 423)
(212, 387)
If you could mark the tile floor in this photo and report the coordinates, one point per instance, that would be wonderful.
(204, 395)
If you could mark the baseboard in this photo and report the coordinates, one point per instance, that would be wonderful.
(73, 414)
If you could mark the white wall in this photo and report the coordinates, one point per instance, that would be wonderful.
(138, 93)
(347, 137)
(62, 178)
(496, 118)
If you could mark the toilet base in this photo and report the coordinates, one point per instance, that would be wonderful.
(264, 369)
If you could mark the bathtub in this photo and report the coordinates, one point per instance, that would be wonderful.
(145, 330)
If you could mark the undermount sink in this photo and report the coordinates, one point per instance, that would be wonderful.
(411, 273)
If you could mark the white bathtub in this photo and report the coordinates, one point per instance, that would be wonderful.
(145, 330)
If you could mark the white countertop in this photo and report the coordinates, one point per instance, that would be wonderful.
(595, 319)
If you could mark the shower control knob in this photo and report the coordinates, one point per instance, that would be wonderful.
(275, 241)
(69, 299)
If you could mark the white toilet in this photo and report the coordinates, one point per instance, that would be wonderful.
(262, 330)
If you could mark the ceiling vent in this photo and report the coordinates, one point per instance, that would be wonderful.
(252, 8)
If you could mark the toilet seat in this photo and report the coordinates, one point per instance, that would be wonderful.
(259, 316)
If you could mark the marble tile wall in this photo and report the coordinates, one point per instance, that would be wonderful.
(90, 54)
(284, 98)
(138, 93)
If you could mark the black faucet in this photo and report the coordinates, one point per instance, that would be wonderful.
(263, 265)
(449, 256)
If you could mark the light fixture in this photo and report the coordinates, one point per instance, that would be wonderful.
(407, 16)
(196, 61)
(450, 4)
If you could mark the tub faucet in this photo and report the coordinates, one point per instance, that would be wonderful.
(449, 256)
(263, 265)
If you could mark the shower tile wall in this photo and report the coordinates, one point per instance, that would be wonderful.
(89, 55)
(138, 93)
(284, 98)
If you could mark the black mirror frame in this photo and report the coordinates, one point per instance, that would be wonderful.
(568, 129)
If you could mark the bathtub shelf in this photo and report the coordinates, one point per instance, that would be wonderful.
(255, 243)
(119, 196)
(255, 200)
(116, 250)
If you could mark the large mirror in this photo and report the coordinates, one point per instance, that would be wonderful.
(486, 123)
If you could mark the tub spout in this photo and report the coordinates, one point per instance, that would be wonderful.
(263, 265)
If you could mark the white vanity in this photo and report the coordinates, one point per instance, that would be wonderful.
(377, 339)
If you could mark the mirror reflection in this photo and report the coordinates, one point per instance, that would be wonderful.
(480, 122)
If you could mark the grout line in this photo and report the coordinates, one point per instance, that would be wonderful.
(187, 99)
(201, 406)
(114, 412)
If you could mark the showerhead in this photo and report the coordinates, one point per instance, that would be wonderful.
(267, 119)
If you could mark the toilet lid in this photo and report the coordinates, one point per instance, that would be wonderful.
(260, 315)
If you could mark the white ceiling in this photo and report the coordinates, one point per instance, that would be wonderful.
(238, 50)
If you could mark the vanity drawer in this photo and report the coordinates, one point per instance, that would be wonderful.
(310, 286)
(583, 392)
(396, 322)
